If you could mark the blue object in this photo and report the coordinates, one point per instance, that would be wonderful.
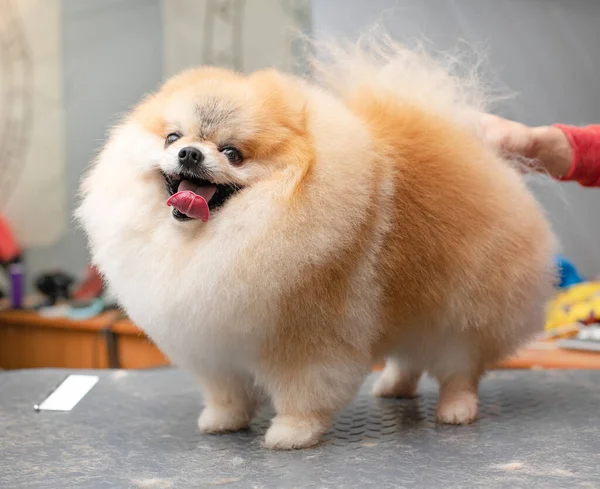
(567, 273)
(95, 308)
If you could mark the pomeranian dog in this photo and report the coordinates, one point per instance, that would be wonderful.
(276, 237)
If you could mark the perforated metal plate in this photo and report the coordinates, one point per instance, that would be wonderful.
(138, 429)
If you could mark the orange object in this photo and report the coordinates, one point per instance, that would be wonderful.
(553, 358)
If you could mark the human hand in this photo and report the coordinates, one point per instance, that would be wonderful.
(547, 145)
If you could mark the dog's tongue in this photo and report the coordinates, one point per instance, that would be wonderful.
(192, 200)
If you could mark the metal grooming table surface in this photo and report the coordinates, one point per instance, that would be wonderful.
(538, 429)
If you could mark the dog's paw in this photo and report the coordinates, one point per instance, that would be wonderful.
(459, 409)
(222, 420)
(288, 433)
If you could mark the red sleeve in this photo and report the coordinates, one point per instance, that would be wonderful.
(585, 166)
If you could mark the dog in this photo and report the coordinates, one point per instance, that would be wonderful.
(276, 236)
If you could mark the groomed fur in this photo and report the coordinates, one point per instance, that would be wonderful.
(373, 224)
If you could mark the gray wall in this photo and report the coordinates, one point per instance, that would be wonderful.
(112, 54)
(545, 50)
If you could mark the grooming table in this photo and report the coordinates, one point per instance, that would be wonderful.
(137, 429)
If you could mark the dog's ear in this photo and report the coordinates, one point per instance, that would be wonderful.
(284, 98)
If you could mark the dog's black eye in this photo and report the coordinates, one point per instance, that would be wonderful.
(171, 138)
(233, 155)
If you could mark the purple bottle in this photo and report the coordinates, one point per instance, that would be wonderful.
(17, 284)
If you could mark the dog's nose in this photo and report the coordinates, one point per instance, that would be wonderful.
(190, 157)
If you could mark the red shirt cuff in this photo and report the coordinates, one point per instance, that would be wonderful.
(585, 165)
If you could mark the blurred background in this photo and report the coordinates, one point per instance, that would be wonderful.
(69, 68)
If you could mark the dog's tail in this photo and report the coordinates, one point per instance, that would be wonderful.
(449, 84)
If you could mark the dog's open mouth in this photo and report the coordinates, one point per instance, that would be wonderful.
(194, 198)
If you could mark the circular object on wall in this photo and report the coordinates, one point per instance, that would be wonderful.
(16, 99)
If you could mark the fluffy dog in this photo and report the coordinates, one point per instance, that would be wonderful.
(274, 236)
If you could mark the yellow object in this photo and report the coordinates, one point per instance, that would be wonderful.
(579, 303)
